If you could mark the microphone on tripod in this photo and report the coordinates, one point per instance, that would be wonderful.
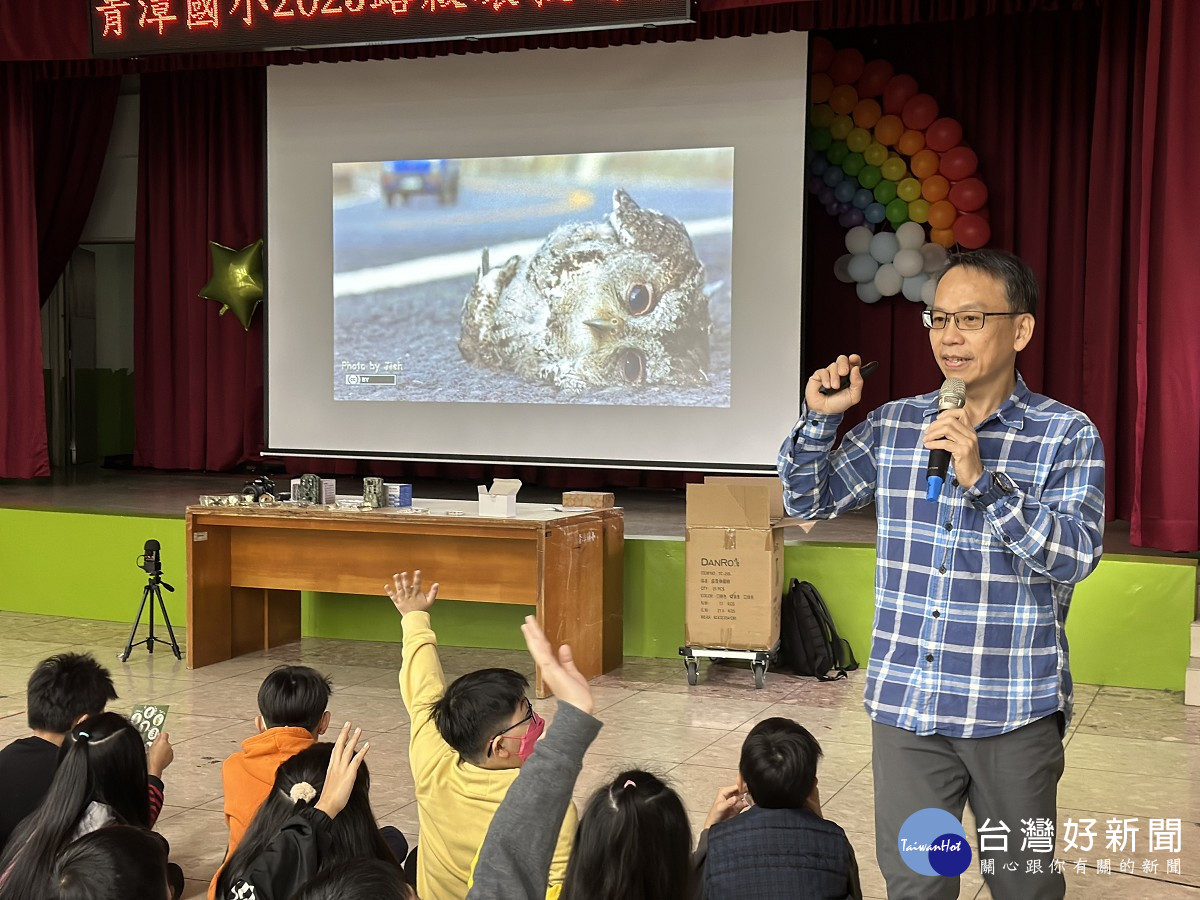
(953, 395)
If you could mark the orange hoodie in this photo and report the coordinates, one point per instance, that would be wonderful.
(249, 775)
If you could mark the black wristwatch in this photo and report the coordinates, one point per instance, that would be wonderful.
(1003, 482)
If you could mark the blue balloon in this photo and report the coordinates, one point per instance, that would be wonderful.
(833, 175)
(844, 191)
(862, 198)
(818, 165)
(850, 218)
(875, 213)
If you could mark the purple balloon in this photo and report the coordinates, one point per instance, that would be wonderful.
(825, 195)
(850, 218)
(842, 206)
(815, 184)
(831, 208)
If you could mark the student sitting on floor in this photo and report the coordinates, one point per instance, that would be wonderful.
(63, 691)
(466, 746)
(293, 714)
(317, 815)
(766, 836)
(101, 780)
(118, 862)
(634, 841)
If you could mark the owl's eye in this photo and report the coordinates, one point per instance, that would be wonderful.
(640, 299)
(633, 365)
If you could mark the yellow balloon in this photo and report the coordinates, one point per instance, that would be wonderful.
(908, 189)
(893, 169)
(876, 154)
(918, 210)
(822, 115)
(858, 140)
(841, 127)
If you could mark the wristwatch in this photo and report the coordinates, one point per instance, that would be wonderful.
(1003, 482)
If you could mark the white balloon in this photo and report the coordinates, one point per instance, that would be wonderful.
(841, 269)
(868, 293)
(913, 286)
(884, 246)
(888, 280)
(927, 291)
(909, 262)
(862, 268)
(911, 236)
(858, 239)
(935, 256)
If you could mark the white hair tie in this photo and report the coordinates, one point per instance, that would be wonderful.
(302, 791)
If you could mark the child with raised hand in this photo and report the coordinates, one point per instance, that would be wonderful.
(317, 815)
(468, 741)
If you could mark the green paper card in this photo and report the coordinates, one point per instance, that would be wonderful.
(148, 719)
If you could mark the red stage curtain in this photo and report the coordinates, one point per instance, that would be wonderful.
(1166, 506)
(72, 122)
(198, 379)
(23, 451)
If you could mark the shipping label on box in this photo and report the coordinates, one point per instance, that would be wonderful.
(734, 587)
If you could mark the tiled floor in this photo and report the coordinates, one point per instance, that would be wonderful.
(1130, 754)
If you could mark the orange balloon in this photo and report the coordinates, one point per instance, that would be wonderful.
(925, 163)
(943, 236)
(911, 143)
(842, 99)
(867, 113)
(888, 130)
(822, 87)
(935, 188)
(942, 214)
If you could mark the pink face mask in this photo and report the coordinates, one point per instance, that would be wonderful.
(529, 742)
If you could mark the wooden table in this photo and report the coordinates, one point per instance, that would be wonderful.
(246, 568)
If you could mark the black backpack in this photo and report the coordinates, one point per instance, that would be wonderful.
(808, 640)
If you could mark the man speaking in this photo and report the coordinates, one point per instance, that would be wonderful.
(968, 686)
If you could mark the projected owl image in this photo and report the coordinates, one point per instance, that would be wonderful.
(619, 302)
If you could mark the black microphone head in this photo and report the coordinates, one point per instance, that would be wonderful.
(152, 546)
(953, 394)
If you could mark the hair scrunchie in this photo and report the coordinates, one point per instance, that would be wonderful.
(302, 792)
(82, 737)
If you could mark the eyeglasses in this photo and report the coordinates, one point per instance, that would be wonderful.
(528, 718)
(963, 321)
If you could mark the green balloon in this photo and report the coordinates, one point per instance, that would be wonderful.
(870, 176)
(837, 152)
(853, 164)
(896, 211)
(885, 193)
(237, 280)
(820, 139)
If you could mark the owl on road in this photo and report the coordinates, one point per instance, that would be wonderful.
(616, 302)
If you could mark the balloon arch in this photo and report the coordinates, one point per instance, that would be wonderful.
(882, 160)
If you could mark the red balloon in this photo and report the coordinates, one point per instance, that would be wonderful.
(897, 93)
(958, 163)
(972, 231)
(847, 66)
(969, 195)
(943, 134)
(876, 74)
(919, 112)
(820, 54)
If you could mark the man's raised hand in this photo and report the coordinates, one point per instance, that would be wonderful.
(558, 672)
(407, 595)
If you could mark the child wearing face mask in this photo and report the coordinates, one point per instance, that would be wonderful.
(467, 744)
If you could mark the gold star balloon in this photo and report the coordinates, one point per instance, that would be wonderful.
(237, 280)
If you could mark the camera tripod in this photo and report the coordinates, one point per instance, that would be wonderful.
(151, 593)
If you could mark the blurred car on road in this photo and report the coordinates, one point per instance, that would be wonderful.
(405, 177)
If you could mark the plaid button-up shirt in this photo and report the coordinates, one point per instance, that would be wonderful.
(971, 591)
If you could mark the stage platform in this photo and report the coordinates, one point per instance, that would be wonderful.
(68, 547)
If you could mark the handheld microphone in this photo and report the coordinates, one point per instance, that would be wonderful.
(953, 395)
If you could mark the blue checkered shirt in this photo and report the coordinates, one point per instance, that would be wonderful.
(971, 591)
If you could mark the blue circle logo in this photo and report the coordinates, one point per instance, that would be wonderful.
(933, 842)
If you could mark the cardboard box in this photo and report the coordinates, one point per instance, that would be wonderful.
(588, 499)
(734, 570)
(500, 502)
